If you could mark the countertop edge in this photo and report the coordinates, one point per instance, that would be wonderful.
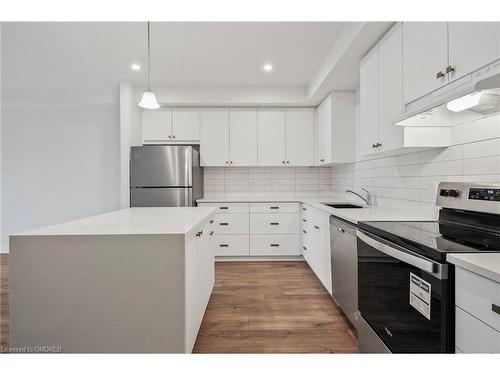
(474, 266)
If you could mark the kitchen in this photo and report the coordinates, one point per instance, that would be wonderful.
(335, 188)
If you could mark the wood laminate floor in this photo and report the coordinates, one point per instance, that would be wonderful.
(255, 307)
(272, 307)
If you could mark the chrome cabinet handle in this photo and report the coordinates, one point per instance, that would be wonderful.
(227, 162)
(199, 233)
(305, 231)
(274, 223)
(495, 308)
(275, 245)
(304, 220)
(304, 248)
(211, 221)
(450, 69)
(373, 145)
(223, 245)
(439, 75)
(304, 209)
(274, 207)
(288, 161)
(340, 230)
(223, 223)
(322, 160)
(223, 208)
(212, 233)
(231, 162)
(316, 227)
(283, 161)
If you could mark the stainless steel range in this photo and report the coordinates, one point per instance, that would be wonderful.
(405, 285)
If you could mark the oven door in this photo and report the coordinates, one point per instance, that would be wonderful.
(404, 297)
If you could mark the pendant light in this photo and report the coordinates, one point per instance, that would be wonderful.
(148, 100)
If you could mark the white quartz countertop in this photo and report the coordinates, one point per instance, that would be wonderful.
(354, 215)
(139, 220)
(484, 264)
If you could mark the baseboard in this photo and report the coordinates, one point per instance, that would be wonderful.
(296, 258)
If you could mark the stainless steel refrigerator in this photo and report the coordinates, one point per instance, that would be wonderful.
(165, 176)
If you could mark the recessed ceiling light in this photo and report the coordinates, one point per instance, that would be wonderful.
(267, 67)
(135, 67)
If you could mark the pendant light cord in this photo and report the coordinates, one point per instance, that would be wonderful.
(149, 57)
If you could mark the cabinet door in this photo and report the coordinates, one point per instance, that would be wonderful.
(300, 137)
(156, 126)
(425, 56)
(368, 99)
(186, 124)
(271, 133)
(214, 145)
(243, 137)
(193, 317)
(206, 274)
(324, 132)
(472, 45)
(390, 68)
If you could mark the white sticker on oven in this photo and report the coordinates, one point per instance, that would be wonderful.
(420, 295)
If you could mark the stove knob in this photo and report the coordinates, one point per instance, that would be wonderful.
(454, 193)
(444, 193)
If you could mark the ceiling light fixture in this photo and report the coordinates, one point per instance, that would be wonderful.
(148, 100)
(135, 67)
(267, 67)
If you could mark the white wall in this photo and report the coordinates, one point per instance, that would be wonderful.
(409, 182)
(223, 182)
(60, 151)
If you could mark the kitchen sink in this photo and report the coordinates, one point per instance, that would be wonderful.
(342, 205)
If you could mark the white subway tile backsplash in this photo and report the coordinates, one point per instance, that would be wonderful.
(489, 165)
(490, 147)
(409, 182)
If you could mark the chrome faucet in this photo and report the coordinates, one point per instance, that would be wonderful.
(368, 199)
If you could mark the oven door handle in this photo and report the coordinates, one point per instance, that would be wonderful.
(423, 264)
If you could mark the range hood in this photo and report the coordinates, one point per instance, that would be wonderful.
(465, 103)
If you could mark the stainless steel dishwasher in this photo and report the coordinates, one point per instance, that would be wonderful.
(344, 259)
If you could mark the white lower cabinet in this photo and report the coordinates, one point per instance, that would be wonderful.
(199, 280)
(231, 223)
(316, 244)
(287, 244)
(477, 313)
(231, 245)
(274, 224)
(256, 229)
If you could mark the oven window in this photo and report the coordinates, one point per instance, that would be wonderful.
(384, 302)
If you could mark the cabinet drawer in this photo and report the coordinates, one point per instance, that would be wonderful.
(477, 295)
(274, 224)
(227, 245)
(227, 208)
(230, 224)
(275, 245)
(274, 207)
(473, 336)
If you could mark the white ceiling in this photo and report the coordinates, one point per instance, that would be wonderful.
(202, 54)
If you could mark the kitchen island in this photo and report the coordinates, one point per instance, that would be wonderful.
(132, 280)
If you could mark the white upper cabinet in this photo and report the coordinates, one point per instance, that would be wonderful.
(186, 124)
(271, 133)
(335, 136)
(171, 125)
(425, 58)
(299, 136)
(369, 106)
(390, 85)
(438, 53)
(214, 146)
(472, 45)
(324, 132)
(157, 126)
(243, 137)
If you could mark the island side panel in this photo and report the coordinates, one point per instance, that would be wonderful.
(98, 294)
